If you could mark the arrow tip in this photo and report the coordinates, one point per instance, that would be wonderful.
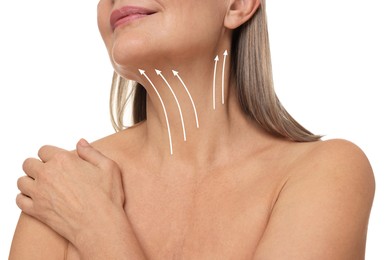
(141, 71)
(216, 59)
(158, 72)
(226, 53)
(175, 73)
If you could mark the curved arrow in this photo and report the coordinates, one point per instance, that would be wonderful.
(159, 73)
(223, 77)
(175, 73)
(214, 82)
(163, 106)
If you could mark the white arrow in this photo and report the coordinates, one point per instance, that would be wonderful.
(214, 81)
(223, 77)
(159, 73)
(163, 106)
(175, 73)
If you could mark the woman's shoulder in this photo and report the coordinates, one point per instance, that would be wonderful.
(128, 141)
(336, 153)
(338, 161)
(326, 197)
(326, 165)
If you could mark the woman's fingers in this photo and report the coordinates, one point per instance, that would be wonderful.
(32, 166)
(84, 149)
(24, 203)
(89, 154)
(26, 185)
(47, 152)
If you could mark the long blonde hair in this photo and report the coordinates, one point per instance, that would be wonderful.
(251, 70)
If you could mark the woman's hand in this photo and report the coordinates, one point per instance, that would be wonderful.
(69, 191)
(80, 196)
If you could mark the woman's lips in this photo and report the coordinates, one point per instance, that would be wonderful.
(127, 14)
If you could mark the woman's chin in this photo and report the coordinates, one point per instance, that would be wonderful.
(132, 55)
(126, 64)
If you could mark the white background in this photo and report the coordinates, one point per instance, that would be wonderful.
(329, 64)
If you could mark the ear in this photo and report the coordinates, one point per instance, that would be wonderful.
(239, 12)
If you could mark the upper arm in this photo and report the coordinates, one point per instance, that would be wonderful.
(323, 210)
(34, 240)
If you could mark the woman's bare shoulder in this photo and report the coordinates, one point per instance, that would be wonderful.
(327, 199)
(339, 160)
(338, 156)
(127, 141)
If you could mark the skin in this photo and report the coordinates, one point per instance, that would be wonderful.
(231, 191)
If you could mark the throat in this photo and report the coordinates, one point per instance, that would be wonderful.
(188, 107)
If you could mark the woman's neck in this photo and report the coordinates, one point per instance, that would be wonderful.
(200, 123)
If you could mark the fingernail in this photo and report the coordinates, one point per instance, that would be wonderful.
(83, 143)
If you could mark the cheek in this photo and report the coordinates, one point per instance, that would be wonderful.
(196, 32)
(200, 22)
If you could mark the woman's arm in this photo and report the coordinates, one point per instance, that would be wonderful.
(80, 196)
(34, 240)
(110, 236)
(323, 210)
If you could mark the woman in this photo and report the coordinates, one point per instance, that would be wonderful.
(214, 167)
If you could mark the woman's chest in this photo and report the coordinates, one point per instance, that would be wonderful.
(221, 217)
